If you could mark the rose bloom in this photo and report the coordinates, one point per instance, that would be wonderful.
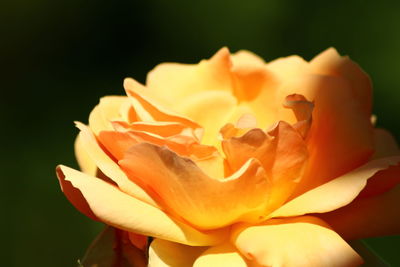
(238, 162)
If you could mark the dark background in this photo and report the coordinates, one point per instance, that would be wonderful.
(59, 57)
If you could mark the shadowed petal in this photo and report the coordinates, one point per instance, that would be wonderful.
(122, 211)
(336, 193)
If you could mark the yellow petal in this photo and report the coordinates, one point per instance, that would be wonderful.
(303, 242)
(188, 192)
(149, 110)
(122, 211)
(85, 162)
(107, 110)
(109, 167)
(171, 83)
(163, 253)
(210, 109)
(222, 255)
(336, 193)
(385, 144)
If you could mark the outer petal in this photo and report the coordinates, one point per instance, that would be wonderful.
(330, 62)
(341, 135)
(336, 193)
(222, 255)
(302, 241)
(367, 217)
(171, 83)
(109, 167)
(188, 192)
(164, 253)
(86, 163)
(122, 211)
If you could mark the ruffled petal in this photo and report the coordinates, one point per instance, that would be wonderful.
(367, 217)
(282, 153)
(109, 167)
(336, 193)
(107, 110)
(303, 241)
(115, 208)
(222, 255)
(164, 253)
(187, 191)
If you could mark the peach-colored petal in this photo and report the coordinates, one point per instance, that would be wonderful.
(367, 217)
(122, 211)
(336, 193)
(107, 110)
(164, 253)
(171, 83)
(188, 192)
(302, 109)
(149, 110)
(109, 167)
(210, 109)
(303, 241)
(330, 62)
(222, 255)
(385, 144)
(341, 135)
(282, 152)
(246, 58)
(85, 162)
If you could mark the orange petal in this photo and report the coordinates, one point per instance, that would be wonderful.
(282, 153)
(188, 192)
(336, 193)
(303, 241)
(139, 241)
(367, 217)
(171, 83)
(340, 139)
(330, 62)
(222, 255)
(302, 109)
(164, 253)
(109, 167)
(122, 211)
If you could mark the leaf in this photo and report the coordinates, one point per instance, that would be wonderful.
(111, 248)
(371, 259)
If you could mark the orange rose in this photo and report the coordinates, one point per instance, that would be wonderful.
(237, 162)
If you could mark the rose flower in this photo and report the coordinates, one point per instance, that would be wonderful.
(238, 162)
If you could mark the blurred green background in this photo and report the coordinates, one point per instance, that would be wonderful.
(59, 57)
